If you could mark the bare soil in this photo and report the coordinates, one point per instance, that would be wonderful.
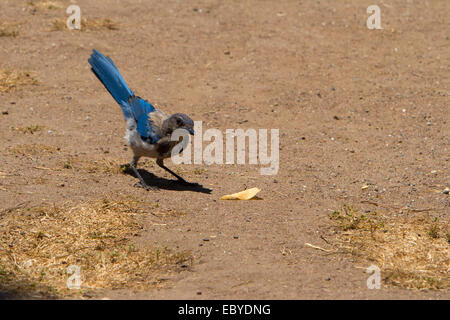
(363, 118)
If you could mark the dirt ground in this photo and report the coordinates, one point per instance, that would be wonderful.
(363, 118)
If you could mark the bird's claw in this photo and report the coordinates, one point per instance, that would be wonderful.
(145, 186)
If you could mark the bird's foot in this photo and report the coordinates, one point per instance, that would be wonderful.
(145, 186)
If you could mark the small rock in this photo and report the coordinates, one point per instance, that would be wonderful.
(205, 239)
(199, 293)
(5, 112)
(235, 237)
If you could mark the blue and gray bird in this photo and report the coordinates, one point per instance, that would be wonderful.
(148, 129)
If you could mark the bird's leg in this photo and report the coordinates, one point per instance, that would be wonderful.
(160, 162)
(142, 183)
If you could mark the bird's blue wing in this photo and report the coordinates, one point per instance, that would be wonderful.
(141, 111)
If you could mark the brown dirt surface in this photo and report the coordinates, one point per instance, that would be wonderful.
(364, 150)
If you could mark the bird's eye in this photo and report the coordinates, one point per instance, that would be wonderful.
(179, 122)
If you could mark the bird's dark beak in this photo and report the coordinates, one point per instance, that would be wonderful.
(191, 131)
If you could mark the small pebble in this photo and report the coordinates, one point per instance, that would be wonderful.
(235, 237)
(5, 112)
(205, 239)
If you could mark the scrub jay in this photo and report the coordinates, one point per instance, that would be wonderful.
(148, 129)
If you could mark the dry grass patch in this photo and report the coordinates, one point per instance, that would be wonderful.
(8, 29)
(31, 149)
(28, 129)
(39, 244)
(86, 25)
(411, 251)
(45, 4)
(11, 80)
(105, 165)
(108, 166)
(199, 171)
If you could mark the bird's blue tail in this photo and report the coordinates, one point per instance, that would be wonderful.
(107, 72)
